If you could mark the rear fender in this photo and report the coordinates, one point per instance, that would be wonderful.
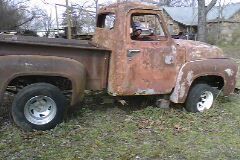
(14, 66)
(190, 71)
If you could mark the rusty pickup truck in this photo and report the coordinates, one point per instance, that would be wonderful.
(131, 54)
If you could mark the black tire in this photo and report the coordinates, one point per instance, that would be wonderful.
(23, 97)
(194, 98)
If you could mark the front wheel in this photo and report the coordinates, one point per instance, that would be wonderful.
(201, 98)
(39, 106)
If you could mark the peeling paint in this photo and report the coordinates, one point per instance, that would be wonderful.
(189, 78)
(169, 59)
(229, 72)
(174, 49)
(182, 90)
(174, 95)
(145, 92)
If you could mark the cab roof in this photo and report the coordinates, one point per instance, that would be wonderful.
(126, 7)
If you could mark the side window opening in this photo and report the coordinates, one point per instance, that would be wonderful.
(146, 27)
(106, 21)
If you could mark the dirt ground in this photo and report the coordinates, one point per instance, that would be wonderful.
(138, 130)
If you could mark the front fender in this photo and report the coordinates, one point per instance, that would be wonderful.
(14, 66)
(225, 68)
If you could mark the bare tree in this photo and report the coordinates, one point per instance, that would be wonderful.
(42, 21)
(83, 17)
(17, 13)
(202, 18)
(47, 22)
(176, 3)
(10, 11)
(221, 6)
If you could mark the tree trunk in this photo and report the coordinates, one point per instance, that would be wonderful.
(202, 18)
(201, 21)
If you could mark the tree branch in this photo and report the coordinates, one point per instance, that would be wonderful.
(211, 5)
(28, 20)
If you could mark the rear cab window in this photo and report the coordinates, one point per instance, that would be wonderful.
(106, 21)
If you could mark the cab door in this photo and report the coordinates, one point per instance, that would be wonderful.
(151, 66)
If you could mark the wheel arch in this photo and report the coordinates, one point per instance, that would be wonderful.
(223, 71)
(212, 80)
(46, 68)
(22, 80)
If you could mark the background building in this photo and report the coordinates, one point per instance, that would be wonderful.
(223, 21)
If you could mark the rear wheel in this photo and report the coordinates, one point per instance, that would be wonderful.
(201, 98)
(39, 106)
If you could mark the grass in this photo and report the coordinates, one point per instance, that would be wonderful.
(111, 131)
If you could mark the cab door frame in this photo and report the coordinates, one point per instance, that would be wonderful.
(151, 65)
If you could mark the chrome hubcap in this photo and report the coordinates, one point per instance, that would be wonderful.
(205, 101)
(40, 110)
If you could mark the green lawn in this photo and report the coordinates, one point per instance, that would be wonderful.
(107, 131)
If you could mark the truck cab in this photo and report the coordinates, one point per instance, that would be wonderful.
(154, 63)
(143, 65)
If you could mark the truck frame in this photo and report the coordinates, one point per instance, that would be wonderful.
(48, 75)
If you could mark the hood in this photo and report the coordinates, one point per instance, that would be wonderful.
(199, 50)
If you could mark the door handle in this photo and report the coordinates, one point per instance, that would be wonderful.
(132, 52)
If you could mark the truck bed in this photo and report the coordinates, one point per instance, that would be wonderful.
(94, 58)
(60, 42)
